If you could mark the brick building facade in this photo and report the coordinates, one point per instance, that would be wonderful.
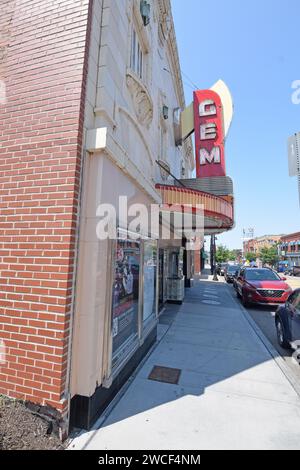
(40, 164)
(290, 249)
(256, 244)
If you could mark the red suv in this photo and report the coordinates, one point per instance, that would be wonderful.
(261, 286)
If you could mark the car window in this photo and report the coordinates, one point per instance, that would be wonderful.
(292, 297)
(296, 300)
(232, 269)
(261, 275)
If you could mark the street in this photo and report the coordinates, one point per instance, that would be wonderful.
(264, 318)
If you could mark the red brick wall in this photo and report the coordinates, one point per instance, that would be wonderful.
(44, 63)
(293, 237)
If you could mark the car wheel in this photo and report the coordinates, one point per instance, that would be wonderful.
(245, 301)
(281, 338)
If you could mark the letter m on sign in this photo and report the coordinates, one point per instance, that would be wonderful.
(210, 157)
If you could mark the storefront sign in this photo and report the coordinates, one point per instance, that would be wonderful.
(209, 134)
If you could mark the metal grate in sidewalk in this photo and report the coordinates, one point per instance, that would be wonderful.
(165, 375)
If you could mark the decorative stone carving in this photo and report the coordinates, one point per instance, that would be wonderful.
(164, 22)
(165, 27)
(142, 101)
(164, 169)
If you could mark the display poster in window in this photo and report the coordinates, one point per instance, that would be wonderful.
(125, 298)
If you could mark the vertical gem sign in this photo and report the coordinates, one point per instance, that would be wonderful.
(209, 134)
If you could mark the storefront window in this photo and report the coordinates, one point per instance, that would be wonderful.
(125, 299)
(150, 266)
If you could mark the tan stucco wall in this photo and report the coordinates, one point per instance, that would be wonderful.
(122, 161)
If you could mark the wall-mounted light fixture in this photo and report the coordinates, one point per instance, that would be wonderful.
(165, 112)
(177, 126)
(145, 12)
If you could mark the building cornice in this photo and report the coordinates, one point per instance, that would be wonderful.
(165, 11)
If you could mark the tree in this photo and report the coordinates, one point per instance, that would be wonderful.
(237, 253)
(232, 255)
(269, 256)
(222, 254)
(250, 256)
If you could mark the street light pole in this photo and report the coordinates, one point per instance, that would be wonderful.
(213, 258)
(212, 254)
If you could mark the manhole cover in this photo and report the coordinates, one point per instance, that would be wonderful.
(165, 375)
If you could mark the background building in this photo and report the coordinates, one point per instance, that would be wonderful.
(256, 244)
(290, 249)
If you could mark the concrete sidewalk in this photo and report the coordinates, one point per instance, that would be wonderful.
(231, 393)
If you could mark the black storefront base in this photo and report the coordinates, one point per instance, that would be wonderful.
(188, 283)
(86, 410)
(175, 302)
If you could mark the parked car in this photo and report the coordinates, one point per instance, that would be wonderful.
(221, 268)
(261, 286)
(287, 322)
(283, 266)
(296, 271)
(293, 271)
(231, 272)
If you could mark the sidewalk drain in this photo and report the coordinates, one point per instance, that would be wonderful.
(165, 374)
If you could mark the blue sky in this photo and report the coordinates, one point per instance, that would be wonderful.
(254, 47)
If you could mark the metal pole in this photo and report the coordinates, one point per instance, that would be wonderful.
(214, 267)
(211, 255)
